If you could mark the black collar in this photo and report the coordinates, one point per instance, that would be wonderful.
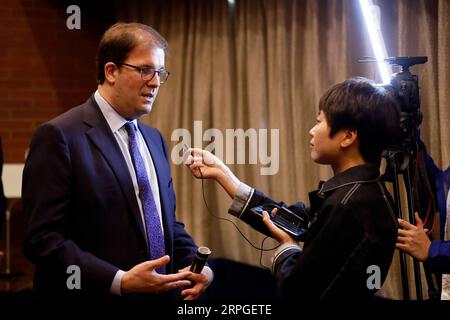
(359, 174)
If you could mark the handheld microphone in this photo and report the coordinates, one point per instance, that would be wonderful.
(200, 259)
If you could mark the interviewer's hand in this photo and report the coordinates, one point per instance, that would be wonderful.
(412, 239)
(210, 165)
(144, 278)
(280, 235)
(204, 164)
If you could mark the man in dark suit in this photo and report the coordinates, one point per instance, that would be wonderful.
(98, 190)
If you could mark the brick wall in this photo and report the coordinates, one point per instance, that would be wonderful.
(45, 68)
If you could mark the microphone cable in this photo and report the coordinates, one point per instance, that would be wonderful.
(261, 249)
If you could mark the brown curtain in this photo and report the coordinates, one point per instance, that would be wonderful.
(263, 64)
(424, 29)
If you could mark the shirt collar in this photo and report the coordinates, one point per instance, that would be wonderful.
(359, 174)
(114, 119)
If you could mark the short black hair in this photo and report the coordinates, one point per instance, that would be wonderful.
(369, 109)
(120, 39)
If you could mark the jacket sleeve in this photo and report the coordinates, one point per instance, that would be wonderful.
(439, 257)
(47, 203)
(257, 198)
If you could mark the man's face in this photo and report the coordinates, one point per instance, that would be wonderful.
(132, 96)
(325, 150)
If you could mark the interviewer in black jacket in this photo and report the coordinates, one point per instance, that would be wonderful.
(352, 225)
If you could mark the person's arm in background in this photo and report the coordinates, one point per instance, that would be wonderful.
(413, 240)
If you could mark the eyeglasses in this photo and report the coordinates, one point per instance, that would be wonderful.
(147, 73)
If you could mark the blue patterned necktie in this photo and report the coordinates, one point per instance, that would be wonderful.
(155, 238)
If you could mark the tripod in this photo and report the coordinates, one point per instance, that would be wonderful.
(419, 198)
(405, 158)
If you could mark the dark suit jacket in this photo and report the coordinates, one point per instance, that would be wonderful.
(82, 208)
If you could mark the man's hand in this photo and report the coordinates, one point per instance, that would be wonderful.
(143, 278)
(412, 239)
(198, 285)
(280, 235)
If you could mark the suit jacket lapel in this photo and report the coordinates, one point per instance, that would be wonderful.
(103, 138)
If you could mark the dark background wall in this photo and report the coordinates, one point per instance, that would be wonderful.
(45, 68)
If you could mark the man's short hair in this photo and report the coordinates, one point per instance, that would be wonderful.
(120, 39)
(370, 110)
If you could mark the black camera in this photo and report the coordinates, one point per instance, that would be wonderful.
(404, 86)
